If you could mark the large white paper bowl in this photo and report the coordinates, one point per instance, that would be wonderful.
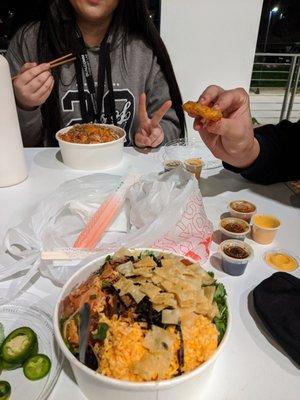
(96, 386)
(92, 157)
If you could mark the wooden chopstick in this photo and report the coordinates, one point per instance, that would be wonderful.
(62, 62)
(61, 58)
(58, 61)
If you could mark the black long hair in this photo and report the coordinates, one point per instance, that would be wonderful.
(57, 36)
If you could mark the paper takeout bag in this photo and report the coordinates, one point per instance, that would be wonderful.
(161, 211)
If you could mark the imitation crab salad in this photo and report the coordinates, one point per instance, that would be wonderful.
(145, 316)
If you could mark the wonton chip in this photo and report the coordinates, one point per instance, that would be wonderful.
(150, 290)
(146, 262)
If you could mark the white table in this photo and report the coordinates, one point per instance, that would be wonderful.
(251, 366)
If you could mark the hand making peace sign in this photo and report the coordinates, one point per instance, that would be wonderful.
(149, 132)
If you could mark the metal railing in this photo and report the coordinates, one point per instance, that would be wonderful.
(280, 72)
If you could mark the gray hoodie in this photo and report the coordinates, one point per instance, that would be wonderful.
(142, 74)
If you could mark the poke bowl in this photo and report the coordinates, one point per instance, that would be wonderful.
(144, 323)
(91, 146)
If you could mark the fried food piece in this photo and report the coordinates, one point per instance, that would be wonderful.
(197, 110)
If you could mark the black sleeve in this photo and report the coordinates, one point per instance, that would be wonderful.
(278, 160)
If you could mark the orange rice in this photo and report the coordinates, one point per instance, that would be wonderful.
(124, 347)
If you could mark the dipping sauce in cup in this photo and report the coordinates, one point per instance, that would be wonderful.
(234, 228)
(242, 209)
(282, 260)
(235, 256)
(194, 165)
(264, 228)
(172, 164)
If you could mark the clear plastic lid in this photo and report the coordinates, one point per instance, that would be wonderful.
(25, 311)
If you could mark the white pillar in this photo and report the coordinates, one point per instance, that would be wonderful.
(211, 42)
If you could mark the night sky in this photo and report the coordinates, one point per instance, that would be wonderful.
(284, 31)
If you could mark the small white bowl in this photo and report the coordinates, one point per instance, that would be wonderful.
(94, 156)
(96, 386)
(239, 214)
(235, 266)
(234, 235)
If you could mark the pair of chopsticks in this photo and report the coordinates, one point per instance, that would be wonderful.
(57, 62)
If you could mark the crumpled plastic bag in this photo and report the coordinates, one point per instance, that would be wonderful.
(161, 211)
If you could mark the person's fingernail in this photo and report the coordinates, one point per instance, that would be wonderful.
(202, 100)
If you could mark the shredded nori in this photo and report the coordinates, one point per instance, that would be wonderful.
(116, 308)
(158, 261)
(146, 313)
(180, 352)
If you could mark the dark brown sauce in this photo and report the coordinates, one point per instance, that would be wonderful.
(236, 252)
(234, 227)
(243, 207)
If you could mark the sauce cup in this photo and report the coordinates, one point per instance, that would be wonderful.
(281, 260)
(194, 165)
(169, 165)
(242, 209)
(235, 256)
(234, 228)
(264, 228)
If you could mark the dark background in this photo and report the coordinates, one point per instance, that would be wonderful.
(284, 29)
(14, 13)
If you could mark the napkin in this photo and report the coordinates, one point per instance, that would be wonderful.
(277, 303)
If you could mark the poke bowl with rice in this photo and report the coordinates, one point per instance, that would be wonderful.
(142, 322)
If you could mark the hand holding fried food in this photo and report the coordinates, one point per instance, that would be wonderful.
(230, 139)
(197, 110)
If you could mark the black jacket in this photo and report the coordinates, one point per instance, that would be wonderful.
(279, 158)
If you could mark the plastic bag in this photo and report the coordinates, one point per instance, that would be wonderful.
(161, 211)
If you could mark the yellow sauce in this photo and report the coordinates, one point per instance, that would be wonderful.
(281, 261)
(266, 221)
(194, 162)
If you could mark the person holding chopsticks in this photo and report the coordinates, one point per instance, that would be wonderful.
(266, 154)
(118, 72)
